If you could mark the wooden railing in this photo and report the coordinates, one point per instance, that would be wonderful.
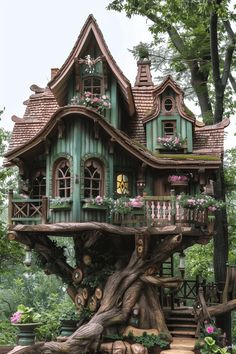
(157, 211)
(27, 210)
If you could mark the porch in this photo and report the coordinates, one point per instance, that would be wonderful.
(156, 211)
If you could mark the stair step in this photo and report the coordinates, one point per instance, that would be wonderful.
(183, 333)
(184, 319)
(183, 343)
(182, 325)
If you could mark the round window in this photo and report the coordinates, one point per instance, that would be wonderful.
(168, 104)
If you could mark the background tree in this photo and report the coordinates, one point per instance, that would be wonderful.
(201, 37)
(195, 30)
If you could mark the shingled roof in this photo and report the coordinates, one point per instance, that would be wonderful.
(42, 106)
(39, 109)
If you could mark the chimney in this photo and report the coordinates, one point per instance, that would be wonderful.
(144, 77)
(54, 72)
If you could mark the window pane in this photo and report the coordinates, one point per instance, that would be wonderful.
(168, 104)
(122, 184)
(63, 179)
(93, 179)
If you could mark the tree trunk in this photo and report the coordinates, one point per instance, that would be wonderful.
(123, 291)
(221, 250)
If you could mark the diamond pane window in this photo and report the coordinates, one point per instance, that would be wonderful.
(122, 184)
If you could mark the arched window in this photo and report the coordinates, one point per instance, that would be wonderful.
(62, 179)
(39, 184)
(93, 179)
(122, 184)
(93, 84)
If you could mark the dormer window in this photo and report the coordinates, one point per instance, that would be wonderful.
(169, 128)
(93, 84)
(168, 104)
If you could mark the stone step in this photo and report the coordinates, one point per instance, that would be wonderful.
(183, 333)
(181, 343)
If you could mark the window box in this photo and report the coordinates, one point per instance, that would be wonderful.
(93, 206)
(161, 149)
(60, 204)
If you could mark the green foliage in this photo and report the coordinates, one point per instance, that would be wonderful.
(211, 347)
(141, 51)
(188, 53)
(147, 340)
(7, 333)
(199, 261)
(230, 186)
(25, 314)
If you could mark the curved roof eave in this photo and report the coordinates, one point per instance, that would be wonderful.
(63, 72)
(122, 139)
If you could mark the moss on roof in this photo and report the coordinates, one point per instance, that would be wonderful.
(187, 157)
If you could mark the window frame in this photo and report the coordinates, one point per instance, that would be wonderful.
(91, 179)
(56, 180)
(40, 186)
(172, 122)
(92, 86)
(164, 105)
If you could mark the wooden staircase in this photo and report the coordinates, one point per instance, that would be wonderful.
(181, 323)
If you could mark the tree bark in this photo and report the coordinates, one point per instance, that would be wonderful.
(123, 290)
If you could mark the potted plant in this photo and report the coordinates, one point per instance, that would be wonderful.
(59, 203)
(68, 320)
(178, 180)
(26, 320)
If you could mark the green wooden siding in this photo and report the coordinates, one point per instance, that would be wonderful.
(154, 129)
(78, 144)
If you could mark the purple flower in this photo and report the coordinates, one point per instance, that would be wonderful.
(16, 317)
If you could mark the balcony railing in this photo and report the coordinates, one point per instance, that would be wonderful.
(27, 211)
(157, 211)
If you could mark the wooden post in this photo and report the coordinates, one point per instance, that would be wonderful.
(173, 206)
(10, 206)
(44, 210)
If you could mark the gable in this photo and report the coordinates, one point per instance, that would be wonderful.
(90, 42)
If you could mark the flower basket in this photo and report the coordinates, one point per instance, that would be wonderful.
(178, 180)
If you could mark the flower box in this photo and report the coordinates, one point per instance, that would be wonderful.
(61, 207)
(94, 206)
(60, 204)
(162, 149)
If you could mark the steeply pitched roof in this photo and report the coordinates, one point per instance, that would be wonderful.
(57, 84)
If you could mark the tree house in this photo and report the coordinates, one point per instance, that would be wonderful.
(88, 145)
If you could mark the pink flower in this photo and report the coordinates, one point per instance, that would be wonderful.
(99, 200)
(16, 317)
(210, 329)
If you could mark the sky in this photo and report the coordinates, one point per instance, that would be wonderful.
(36, 36)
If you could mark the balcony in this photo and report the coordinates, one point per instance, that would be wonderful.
(157, 211)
